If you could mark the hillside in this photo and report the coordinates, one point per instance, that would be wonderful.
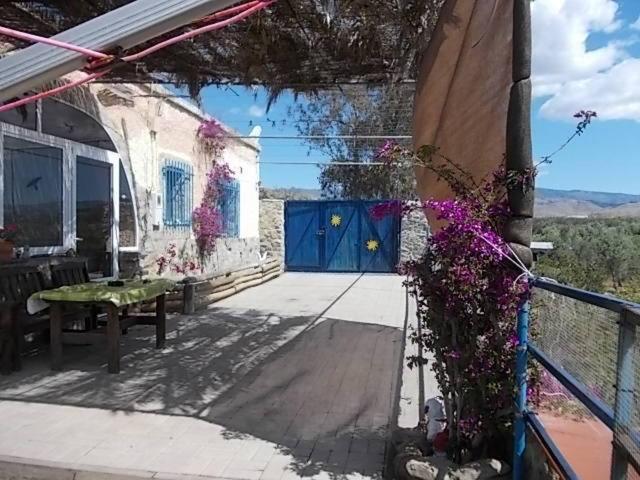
(581, 203)
(290, 193)
(549, 202)
(601, 199)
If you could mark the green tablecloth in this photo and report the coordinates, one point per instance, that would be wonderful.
(133, 291)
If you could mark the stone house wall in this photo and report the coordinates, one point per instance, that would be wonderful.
(414, 235)
(272, 228)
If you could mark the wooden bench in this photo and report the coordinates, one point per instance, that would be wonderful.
(17, 284)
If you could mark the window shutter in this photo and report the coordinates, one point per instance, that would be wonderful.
(178, 194)
(229, 205)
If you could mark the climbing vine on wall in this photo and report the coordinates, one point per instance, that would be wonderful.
(208, 224)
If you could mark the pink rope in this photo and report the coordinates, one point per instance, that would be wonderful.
(227, 12)
(245, 10)
(53, 91)
(9, 32)
(193, 33)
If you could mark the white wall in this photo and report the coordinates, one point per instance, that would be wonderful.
(243, 162)
(151, 128)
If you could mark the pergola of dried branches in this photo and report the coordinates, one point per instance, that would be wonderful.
(300, 44)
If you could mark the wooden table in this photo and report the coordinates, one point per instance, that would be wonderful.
(113, 301)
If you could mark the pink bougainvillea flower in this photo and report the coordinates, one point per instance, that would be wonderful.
(384, 152)
(211, 129)
(384, 209)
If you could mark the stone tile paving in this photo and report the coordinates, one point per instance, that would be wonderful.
(295, 378)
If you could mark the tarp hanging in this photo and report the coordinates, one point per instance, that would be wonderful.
(473, 99)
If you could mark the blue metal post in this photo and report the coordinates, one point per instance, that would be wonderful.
(519, 424)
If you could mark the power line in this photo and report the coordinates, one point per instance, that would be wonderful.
(322, 137)
(324, 162)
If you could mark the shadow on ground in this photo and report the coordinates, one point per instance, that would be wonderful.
(323, 390)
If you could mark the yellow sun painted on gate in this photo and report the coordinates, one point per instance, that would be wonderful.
(372, 245)
(336, 220)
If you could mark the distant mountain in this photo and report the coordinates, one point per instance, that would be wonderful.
(290, 193)
(602, 199)
(581, 203)
(549, 202)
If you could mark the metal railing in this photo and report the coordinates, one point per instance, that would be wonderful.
(619, 419)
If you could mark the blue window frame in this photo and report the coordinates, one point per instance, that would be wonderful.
(229, 204)
(178, 193)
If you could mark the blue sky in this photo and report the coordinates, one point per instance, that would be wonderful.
(586, 56)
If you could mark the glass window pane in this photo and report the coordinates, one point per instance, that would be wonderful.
(33, 192)
(127, 213)
(93, 214)
(61, 120)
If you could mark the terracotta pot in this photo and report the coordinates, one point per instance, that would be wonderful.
(6, 251)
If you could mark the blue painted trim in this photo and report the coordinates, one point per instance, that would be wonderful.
(177, 201)
(603, 301)
(555, 453)
(229, 205)
(519, 426)
(594, 404)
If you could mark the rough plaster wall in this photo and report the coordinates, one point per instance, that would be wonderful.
(272, 228)
(414, 234)
(149, 129)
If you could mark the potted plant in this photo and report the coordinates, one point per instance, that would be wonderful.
(7, 239)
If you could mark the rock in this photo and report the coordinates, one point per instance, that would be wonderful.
(484, 469)
(414, 448)
(431, 468)
(408, 440)
(400, 462)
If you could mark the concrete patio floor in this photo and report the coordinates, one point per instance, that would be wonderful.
(295, 378)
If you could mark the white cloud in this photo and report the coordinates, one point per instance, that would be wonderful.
(256, 111)
(636, 25)
(614, 94)
(605, 78)
(235, 110)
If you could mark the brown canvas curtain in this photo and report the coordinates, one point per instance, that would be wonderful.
(473, 99)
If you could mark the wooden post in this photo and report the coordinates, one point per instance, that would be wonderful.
(7, 343)
(55, 335)
(17, 339)
(113, 339)
(93, 318)
(161, 321)
(188, 298)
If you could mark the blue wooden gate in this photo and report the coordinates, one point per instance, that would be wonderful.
(339, 236)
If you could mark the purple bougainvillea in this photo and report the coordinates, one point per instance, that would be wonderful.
(468, 290)
(468, 295)
(208, 223)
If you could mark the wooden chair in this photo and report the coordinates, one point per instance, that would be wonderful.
(69, 272)
(72, 272)
(17, 284)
